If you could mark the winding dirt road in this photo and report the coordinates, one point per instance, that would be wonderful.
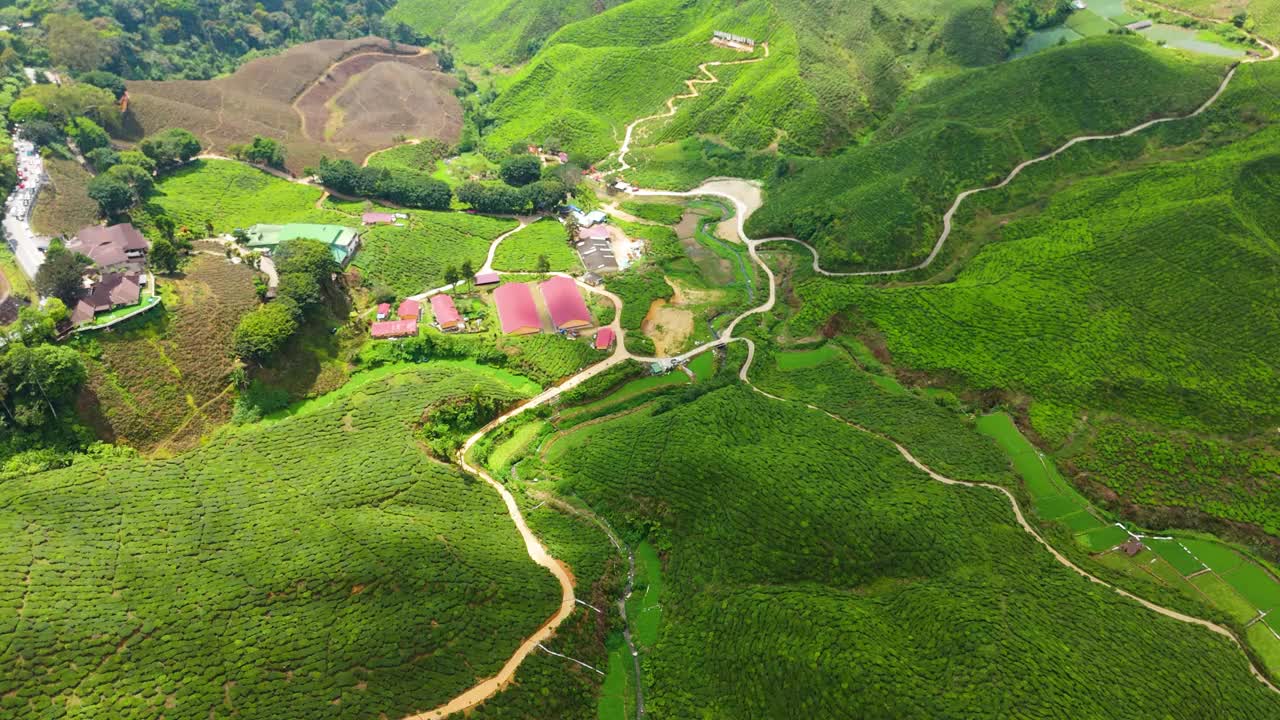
(746, 197)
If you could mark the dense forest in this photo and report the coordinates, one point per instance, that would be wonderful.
(177, 39)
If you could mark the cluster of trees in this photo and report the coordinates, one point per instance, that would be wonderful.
(306, 269)
(179, 39)
(39, 381)
(541, 196)
(261, 151)
(975, 36)
(125, 179)
(403, 187)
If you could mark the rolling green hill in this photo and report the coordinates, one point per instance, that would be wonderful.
(880, 204)
(1133, 284)
(321, 562)
(789, 534)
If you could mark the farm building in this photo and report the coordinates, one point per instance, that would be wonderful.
(118, 247)
(586, 220)
(1132, 547)
(394, 329)
(732, 39)
(564, 302)
(447, 317)
(592, 279)
(604, 338)
(517, 312)
(384, 311)
(487, 278)
(409, 310)
(342, 241)
(377, 218)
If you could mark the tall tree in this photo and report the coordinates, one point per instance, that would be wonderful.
(75, 42)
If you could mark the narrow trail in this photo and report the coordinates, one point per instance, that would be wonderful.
(745, 196)
(692, 84)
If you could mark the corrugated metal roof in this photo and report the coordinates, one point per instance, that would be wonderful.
(516, 310)
(565, 303)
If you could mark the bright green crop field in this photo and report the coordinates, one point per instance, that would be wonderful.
(543, 239)
(272, 573)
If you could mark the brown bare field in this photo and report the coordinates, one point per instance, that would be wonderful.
(162, 383)
(340, 98)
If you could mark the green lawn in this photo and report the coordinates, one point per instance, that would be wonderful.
(1224, 597)
(1176, 555)
(797, 359)
(233, 195)
(515, 445)
(645, 606)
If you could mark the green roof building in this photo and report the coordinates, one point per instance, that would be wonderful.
(342, 241)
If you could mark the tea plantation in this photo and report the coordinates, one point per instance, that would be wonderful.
(321, 566)
(812, 572)
(880, 204)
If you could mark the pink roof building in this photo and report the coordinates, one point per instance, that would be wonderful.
(446, 312)
(384, 309)
(394, 329)
(604, 338)
(595, 232)
(564, 302)
(517, 312)
(376, 218)
(487, 278)
(409, 310)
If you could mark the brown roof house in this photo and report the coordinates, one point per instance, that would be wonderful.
(117, 248)
(112, 291)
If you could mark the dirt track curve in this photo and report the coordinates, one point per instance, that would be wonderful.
(745, 197)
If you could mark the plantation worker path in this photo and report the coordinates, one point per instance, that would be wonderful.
(692, 84)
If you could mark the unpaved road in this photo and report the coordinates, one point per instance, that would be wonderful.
(746, 197)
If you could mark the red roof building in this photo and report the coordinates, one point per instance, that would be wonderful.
(595, 232)
(564, 302)
(604, 338)
(384, 310)
(487, 278)
(517, 312)
(446, 312)
(409, 310)
(394, 329)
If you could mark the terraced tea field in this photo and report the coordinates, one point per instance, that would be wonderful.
(281, 582)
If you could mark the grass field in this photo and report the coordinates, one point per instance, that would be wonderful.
(64, 205)
(786, 529)
(545, 238)
(163, 381)
(260, 569)
(664, 213)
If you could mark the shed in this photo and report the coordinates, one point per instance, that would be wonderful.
(377, 218)
(1133, 547)
(604, 338)
(394, 329)
(487, 278)
(409, 310)
(384, 311)
(592, 279)
(446, 312)
(517, 312)
(564, 302)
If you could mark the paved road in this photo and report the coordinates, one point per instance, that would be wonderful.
(26, 244)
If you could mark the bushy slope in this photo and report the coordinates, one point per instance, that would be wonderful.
(493, 32)
(790, 534)
(1115, 297)
(322, 562)
(880, 204)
